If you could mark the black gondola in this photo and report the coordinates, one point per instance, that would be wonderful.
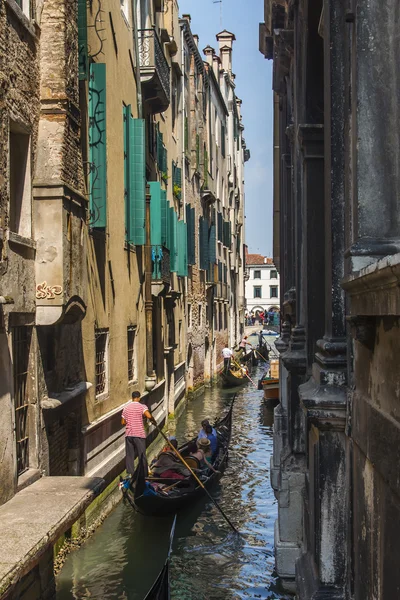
(160, 589)
(233, 378)
(144, 498)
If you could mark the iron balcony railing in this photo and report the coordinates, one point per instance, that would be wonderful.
(153, 64)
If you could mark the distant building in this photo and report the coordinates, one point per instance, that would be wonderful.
(262, 284)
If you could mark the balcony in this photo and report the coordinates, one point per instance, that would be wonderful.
(154, 71)
(161, 269)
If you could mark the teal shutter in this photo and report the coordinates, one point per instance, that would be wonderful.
(203, 241)
(220, 227)
(155, 213)
(164, 219)
(137, 182)
(226, 234)
(190, 220)
(212, 245)
(173, 223)
(97, 146)
(82, 39)
(182, 266)
(126, 112)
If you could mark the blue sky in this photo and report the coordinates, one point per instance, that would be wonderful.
(253, 86)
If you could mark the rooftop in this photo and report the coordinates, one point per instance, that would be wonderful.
(258, 259)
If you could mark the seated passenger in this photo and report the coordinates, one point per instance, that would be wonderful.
(202, 432)
(213, 440)
(204, 446)
(168, 464)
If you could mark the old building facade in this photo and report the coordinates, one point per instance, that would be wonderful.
(262, 285)
(121, 231)
(336, 135)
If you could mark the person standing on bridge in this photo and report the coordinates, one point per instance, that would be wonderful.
(135, 435)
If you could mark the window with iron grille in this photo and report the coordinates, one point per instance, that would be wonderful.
(131, 335)
(21, 343)
(101, 336)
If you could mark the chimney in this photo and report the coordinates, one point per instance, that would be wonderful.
(216, 66)
(225, 40)
(196, 39)
(187, 18)
(209, 53)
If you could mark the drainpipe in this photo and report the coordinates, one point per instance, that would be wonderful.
(137, 65)
(150, 380)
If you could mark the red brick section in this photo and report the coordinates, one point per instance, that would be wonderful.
(258, 259)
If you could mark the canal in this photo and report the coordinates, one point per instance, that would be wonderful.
(209, 562)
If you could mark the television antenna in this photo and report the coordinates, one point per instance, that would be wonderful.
(220, 10)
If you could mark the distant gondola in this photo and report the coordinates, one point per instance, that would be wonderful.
(160, 589)
(144, 498)
(233, 378)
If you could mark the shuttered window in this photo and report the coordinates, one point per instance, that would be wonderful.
(197, 151)
(134, 179)
(177, 181)
(82, 39)
(212, 244)
(155, 213)
(205, 175)
(203, 242)
(164, 218)
(97, 146)
(182, 263)
(220, 223)
(227, 234)
(172, 230)
(223, 140)
(190, 220)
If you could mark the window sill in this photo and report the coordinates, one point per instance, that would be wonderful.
(27, 478)
(102, 397)
(133, 382)
(20, 240)
(29, 25)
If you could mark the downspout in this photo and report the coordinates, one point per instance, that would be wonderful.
(137, 65)
(151, 378)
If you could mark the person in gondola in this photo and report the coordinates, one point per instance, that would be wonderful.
(204, 446)
(227, 354)
(167, 463)
(202, 432)
(135, 435)
(243, 344)
(213, 440)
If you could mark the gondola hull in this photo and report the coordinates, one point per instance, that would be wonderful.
(229, 380)
(150, 502)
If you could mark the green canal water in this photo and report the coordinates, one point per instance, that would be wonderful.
(209, 562)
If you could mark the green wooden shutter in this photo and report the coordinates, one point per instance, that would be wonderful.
(137, 182)
(182, 265)
(155, 213)
(223, 140)
(191, 249)
(98, 146)
(203, 241)
(164, 219)
(82, 39)
(226, 233)
(173, 223)
(212, 244)
(186, 134)
(220, 227)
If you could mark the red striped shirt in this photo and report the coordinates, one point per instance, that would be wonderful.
(133, 415)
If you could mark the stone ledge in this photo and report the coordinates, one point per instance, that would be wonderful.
(374, 289)
(34, 519)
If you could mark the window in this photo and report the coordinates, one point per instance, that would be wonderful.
(131, 353)
(274, 274)
(257, 274)
(273, 291)
(189, 313)
(25, 7)
(21, 343)
(125, 9)
(225, 317)
(220, 317)
(200, 315)
(20, 182)
(257, 291)
(101, 336)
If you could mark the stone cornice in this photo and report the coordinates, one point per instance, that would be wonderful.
(374, 290)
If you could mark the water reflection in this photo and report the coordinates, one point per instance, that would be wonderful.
(209, 561)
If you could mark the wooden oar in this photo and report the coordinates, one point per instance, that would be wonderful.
(244, 372)
(261, 356)
(195, 476)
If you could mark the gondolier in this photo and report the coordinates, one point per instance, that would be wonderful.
(135, 435)
(227, 354)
